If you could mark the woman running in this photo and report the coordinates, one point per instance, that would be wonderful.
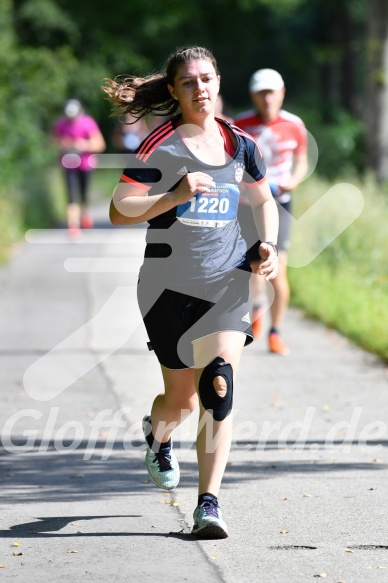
(193, 290)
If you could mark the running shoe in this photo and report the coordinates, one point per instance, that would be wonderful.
(86, 222)
(276, 344)
(208, 521)
(162, 466)
(257, 322)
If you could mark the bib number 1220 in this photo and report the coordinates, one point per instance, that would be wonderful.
(209, 205)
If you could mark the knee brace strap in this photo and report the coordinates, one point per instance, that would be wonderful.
(220, 407)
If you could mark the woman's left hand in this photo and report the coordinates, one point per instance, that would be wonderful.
(270, 264)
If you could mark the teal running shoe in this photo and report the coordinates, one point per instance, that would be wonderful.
(162, 466)
(208, 521)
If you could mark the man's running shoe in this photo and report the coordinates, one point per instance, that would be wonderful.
(257, 322)
(276, 344)
(162, 466)
(208, 521)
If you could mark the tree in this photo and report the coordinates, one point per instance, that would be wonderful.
(376, 109)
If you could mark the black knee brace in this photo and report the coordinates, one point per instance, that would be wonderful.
(220, 407)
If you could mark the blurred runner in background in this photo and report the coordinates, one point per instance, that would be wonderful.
(77, 136)
(129, 131)
(282, 139)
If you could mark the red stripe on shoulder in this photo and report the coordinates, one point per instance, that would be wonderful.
(250, 184)
(134, 182)
(156, 144)
(155, 136)
(244, 134)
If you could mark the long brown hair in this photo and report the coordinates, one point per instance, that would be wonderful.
(142, 96)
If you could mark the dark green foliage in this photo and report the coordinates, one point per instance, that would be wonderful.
(340, 141)
(51, 50)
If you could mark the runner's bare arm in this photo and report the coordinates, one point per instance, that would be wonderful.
(299, 171)
(264, 210)
(130, 204)
(266, 217)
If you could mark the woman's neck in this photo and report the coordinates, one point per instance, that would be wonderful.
(198, 125)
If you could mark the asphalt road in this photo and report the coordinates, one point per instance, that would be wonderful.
(304, 493)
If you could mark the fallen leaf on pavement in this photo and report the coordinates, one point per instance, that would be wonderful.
(17, 554)
(349, 551)
(307, 495)
(283, 531)
(74, 523)
(71, 551)
(2, 566)
(16, 544)
(323, 575)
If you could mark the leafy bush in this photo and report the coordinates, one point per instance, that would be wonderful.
(340, 142)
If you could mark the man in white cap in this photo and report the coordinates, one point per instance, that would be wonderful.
(283, 141)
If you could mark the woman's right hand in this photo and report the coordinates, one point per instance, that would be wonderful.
(192, 184)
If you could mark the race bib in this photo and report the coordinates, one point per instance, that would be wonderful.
(210, 209)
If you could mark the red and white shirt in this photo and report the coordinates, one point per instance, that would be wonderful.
(279, 141)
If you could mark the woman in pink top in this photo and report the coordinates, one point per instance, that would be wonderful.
(78, 137)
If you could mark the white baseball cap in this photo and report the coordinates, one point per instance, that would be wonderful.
(265, 79)
(73, 108)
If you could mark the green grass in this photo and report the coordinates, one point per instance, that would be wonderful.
(10, 224)
(346, 285)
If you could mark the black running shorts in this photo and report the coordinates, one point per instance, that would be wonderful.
(175, 319)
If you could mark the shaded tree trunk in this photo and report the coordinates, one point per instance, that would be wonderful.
(327, 43)
(347, 40)
(377, 89)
